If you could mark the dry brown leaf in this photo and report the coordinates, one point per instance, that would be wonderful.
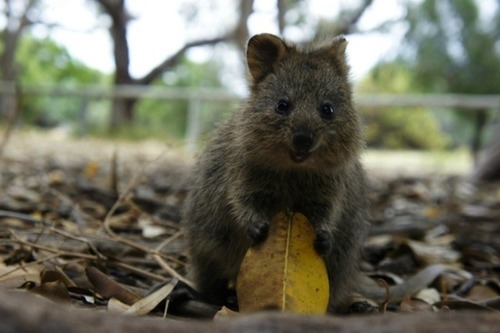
(284, 272)
(91, 169)
(433, 254)
(109, 288)
(12, 277)
(481, 292)
(149, 302)
(224, 314)
(115, 306)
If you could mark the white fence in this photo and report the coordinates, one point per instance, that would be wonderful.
(196, 98)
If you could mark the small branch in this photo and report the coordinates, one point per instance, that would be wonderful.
(52, 250)
(22, 265)
(138, 271)
(163, 264)
(348, 26)
(174, 59)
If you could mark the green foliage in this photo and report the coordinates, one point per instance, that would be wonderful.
(451, 49)
(43, 62)
(452, 46)
(403, 129)
(398, 128)
(169, 118)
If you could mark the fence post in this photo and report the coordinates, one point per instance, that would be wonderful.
(83, 115)
(193, 125)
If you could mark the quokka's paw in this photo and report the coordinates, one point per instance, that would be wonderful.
(323, 242)
(257, 231)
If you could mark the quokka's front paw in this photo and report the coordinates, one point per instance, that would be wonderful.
(323, 242)
(257, 231)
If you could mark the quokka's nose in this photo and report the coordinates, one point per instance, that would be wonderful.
(303, 140)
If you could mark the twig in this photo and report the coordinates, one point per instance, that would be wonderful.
(52, 250)
(25, 217)
(168, 241)
(26, 265)
(106, 225)
(139, 271)
(163, 264)
(80, 239)
(383, 283)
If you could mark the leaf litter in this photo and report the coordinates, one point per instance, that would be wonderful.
(97, 225)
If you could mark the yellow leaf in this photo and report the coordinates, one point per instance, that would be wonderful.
(284, 272)
(91, 169)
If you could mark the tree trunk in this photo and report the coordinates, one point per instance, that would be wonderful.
(122, 113)
(280, 6)
(479, 122)
(10, 38)
(122, 110)
(241, 31)
(488, 167)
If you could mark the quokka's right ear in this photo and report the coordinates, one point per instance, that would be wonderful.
(263, 52)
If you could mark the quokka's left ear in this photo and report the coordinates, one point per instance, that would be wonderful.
(263, 52)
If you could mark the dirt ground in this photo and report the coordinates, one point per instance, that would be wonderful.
(68, 206)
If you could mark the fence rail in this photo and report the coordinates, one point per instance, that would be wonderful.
(462, 101)
(195, 97)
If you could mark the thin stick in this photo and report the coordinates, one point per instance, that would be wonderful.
(52, 250)
(25, 217)
(23, 266)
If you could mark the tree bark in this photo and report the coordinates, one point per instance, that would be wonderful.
(122, 113)
(11, 35)
(488, 167)
(480, 119)
(241, 32)
(281, 7)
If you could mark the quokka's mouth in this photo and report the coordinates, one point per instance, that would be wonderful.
(299, 157)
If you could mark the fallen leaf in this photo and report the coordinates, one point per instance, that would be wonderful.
(428, 295)
(12, 277)
(284, 272)
(91, 169)
(109, 288)
(433, 254)
(224, 314)
(149, 302)
(481, 292)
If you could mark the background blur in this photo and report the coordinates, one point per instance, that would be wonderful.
(426, 73)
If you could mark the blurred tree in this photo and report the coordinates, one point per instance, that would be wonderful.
(398, 128)
(123, 109)
(346, 22)
(241, 33)
(168, 118)
(17, 18)
(451, 47)
(43, 62)
(488, 168)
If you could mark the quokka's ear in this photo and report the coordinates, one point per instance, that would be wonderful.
(338, 47)
(336, 53)
(263, 52)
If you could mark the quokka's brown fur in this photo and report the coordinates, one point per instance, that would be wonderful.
(293, 146)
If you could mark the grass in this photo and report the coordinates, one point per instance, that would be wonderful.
(404, 162)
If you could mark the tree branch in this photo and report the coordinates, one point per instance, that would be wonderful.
(174, 59)
(349, 25)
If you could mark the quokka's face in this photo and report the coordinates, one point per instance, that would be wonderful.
(301, 116)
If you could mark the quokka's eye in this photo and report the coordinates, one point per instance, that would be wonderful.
(326, 110)
(282, 108)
